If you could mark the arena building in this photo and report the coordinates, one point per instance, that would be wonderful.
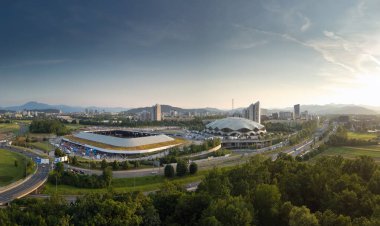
(238, 132)
(240, 128)
(118, 142)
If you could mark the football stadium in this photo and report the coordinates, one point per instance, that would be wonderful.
(117, 142)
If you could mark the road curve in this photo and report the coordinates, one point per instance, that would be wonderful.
(28, 186)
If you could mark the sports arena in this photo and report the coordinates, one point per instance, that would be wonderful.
(238, 133)
(239, 128)
(117, 142)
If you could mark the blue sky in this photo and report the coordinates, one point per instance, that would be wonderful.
(189, 53)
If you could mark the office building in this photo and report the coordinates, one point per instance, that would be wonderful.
(297, 112)
(253, 112)
(286, 115)
(156, 113)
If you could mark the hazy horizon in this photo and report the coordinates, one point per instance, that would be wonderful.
(190, 53)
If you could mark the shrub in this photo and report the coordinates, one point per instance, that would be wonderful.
(169, 171)
(193, 168)
(182, 168)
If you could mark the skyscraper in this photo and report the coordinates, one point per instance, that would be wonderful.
(156, 112)
(297, 111)
(253, 112)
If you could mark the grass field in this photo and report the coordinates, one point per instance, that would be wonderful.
(75, 126)
(9, 128)
(8, 172)
(148, 183)
(44, 146)
(353, 152)
(42, 135)
(361, 136)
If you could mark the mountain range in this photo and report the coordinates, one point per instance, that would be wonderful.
(64, 108)
(168, 108)
(314, 109)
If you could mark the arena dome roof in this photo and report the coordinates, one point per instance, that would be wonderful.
(235, 124)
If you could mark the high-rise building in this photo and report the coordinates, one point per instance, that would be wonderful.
(253, 112)
(156, 112)
(145, 115)
(275, 115)
(297, 111)
(286, 115)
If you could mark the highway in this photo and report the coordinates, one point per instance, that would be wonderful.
(29, 185)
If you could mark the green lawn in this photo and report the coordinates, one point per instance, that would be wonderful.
(361, 136)
(44, 146)
(353, 152)
(75, 126)
(42, 135)
(8, 172)
(9, 128)
(148, 183)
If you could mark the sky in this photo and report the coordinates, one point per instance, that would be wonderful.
(190, 53)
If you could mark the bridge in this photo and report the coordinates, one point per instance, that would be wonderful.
(29, 185)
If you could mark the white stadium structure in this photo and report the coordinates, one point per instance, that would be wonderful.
(118, 142)
(240, 128)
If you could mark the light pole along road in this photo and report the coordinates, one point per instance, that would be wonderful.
(30, 184)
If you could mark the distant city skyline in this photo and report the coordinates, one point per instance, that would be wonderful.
(190, 53)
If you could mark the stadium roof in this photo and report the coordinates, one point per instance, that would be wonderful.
(234, 123)
(123, 142)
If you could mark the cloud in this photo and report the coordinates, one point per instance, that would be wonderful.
(34, 63)
(248, 45)
(306, 22)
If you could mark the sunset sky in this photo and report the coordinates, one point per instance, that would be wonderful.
(190, 53)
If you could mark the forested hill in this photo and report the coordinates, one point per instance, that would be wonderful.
(331, 191)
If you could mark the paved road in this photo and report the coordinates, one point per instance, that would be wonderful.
(27, 186)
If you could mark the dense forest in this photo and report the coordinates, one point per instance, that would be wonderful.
(48, 126)
(330, 191)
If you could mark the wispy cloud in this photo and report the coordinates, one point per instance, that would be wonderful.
(34, 63)
(306, 22)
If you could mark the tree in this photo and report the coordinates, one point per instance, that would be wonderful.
(48, 126)
(169, 171)
(92, 165)
(16, 163)
(193, 168)
(74, 161)
(115, 165)
(58, 153)
(4, 219)
(59, 167)
(125, 165)
(267, 201)
(166, 199)
(107, 176)
(104, 164)
(374, 183)
(216, 184)
(182, 168)
(301, 216)
(329, 218)
(190, 208)
(231, 211)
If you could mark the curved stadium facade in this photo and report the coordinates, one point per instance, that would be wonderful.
(235, 127)
(120, 142)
